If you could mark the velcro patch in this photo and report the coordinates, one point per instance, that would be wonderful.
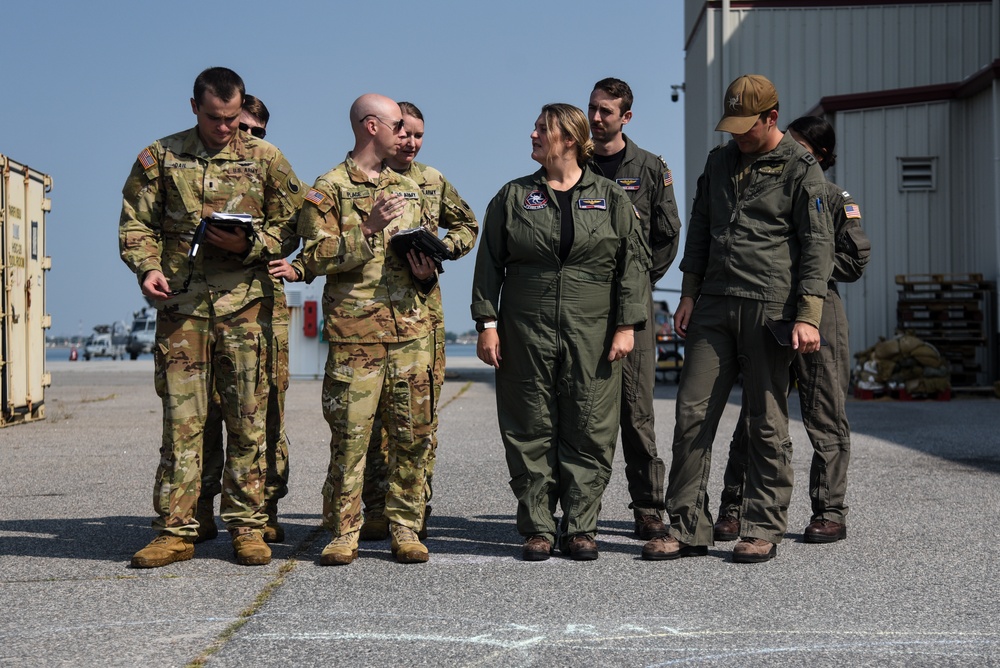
(146, 158)
(592, 203)
(852, 211)
(629, 182)
(535, 200)
(315, 196)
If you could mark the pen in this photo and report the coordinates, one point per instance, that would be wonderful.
(818, 205)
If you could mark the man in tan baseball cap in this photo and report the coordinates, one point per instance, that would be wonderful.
(746, 99)
(759, 251)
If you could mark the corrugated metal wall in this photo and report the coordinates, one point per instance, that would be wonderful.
(811, 53)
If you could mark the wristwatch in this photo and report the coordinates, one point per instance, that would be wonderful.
(483, 326)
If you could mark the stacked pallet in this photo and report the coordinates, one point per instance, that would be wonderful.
(956, 313)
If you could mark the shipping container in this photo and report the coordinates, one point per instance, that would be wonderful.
(23, 319)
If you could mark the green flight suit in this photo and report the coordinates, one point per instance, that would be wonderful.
(650, 185)
(763, 253)
(823, 378)
(557, 394)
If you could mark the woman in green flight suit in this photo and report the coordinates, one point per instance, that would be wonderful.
(559, 287)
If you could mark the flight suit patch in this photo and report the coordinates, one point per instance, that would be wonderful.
(592, 203)
(852, 211)
(535, 200)
(771, 170)
(668, 178)
(629, 182)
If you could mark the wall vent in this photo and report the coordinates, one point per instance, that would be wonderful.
(917, 174)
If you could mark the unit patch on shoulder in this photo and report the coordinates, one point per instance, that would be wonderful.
(852, 211)
(315, 196)
(535, 200)
(629, 182)
(146, 158)
(668, 178)
(592, 203)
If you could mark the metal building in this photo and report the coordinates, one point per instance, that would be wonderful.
(913, 92)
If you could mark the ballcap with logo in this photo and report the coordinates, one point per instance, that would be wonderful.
(746, 99)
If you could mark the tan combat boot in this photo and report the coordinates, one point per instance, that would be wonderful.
(375, 526)
(249, 547)
(406, 547)
(165, 549)
(273, 532)
(341, 550)
(205, 515)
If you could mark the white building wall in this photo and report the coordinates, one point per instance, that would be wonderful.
(812, 53)
(910, 231)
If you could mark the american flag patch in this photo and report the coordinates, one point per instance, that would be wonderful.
(668, 178)
(146, 159)
(852, 211)
(315, 196)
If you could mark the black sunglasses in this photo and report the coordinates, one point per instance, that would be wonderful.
(395, 127)
(257, 131)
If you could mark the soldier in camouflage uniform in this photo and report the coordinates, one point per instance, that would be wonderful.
(379, 326)
(214, 309)
(650, 186)
(449, 212)
(253, 119)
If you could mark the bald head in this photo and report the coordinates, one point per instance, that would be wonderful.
(372, 104)
(377, 124)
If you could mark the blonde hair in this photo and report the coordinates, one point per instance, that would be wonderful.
(572, 124)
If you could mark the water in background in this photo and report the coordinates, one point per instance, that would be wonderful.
(60, 354)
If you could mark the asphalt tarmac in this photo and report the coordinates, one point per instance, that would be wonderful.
(915, 583)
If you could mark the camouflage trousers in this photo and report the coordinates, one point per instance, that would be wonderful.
(195, 357)
(395, 382)
(376, 484)
(276, 485)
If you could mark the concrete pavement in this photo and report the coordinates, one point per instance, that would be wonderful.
(914, 584)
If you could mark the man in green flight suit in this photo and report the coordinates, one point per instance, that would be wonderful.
(757, 258)
(650, 185)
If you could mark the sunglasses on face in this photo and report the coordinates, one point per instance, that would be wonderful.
(395, 126)
(257, 131)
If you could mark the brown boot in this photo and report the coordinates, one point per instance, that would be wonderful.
(249, 547)
(406, 547)
(165, 549)
(273, 532)
(340, 551)
(754, 551)
(205, 515)
(375, 526)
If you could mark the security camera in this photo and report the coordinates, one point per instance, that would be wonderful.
(675, 92)
(674, 96)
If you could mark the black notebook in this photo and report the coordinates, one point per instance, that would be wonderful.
(423, 240)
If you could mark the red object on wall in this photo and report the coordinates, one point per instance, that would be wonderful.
(309, 318)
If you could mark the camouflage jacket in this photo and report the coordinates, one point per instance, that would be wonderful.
(449, 212)
(370, 295)
(650, 185)
(174, 183)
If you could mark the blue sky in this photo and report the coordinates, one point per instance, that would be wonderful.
(87, 85)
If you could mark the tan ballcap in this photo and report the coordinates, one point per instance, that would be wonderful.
(746, 99)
